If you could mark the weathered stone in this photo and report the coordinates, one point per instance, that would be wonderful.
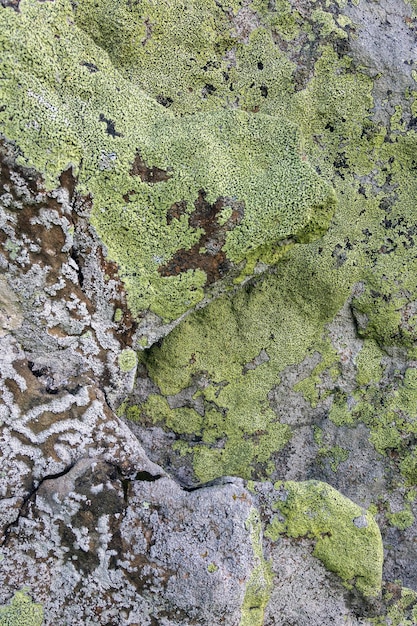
(208, 366)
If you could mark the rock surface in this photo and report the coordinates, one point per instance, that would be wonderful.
(208, 361)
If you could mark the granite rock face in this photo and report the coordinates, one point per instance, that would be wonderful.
(208, 349)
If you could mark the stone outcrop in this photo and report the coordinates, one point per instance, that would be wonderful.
(208, 357)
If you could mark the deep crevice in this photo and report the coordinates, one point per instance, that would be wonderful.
(147, 477)
(216, 482)
(76, 258)
(28, 498)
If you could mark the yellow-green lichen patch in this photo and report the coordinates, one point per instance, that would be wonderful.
(400, 603)
(368, 363)
(173, 51)
(182, 420)
(386, 308)
(387, 409)
(262, 77)
(21, 611)
(347, 538)
(259, 586)
(157, 181)
(369, 242)
(284, 20)
(258, 160)
(212, 567)
(408, 466)
(88, 108)
(401, 519)
(327, 23)
(216, 354)
(334, 455)
(310, 386)
(127, 360)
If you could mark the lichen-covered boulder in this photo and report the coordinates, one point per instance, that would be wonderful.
(181, 204)
(207, 312)
(347, 538)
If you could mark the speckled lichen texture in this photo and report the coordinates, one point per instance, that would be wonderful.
(208, 313)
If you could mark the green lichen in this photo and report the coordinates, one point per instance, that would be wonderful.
(334, 455)
(212, 567)
(400, 604)
(368, 363)
(118, 315)
(388, 409)
(396, 121)
(215, 345)
(274, 79)
(408, 466)
(369, 242)
(310, 386)
(327, 23)
(21, 611)
(172, 51)
(347, 538)
(339, 413)
(259, 586)
(76, 109)
(182, 420)
(206, 69)
(402, 519)
(224, 215)
(127, 360)
(384, 306)
(344, 20)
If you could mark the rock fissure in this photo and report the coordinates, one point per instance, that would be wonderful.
(26, 500)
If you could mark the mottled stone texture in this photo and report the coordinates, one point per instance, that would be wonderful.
(208, 313)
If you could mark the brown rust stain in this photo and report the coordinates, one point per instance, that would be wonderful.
(45, 246)
(150, 175)
(37, 391)
(51, 240)
(69, 182)
(176, 210)
(127, 325)
(207, 254)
